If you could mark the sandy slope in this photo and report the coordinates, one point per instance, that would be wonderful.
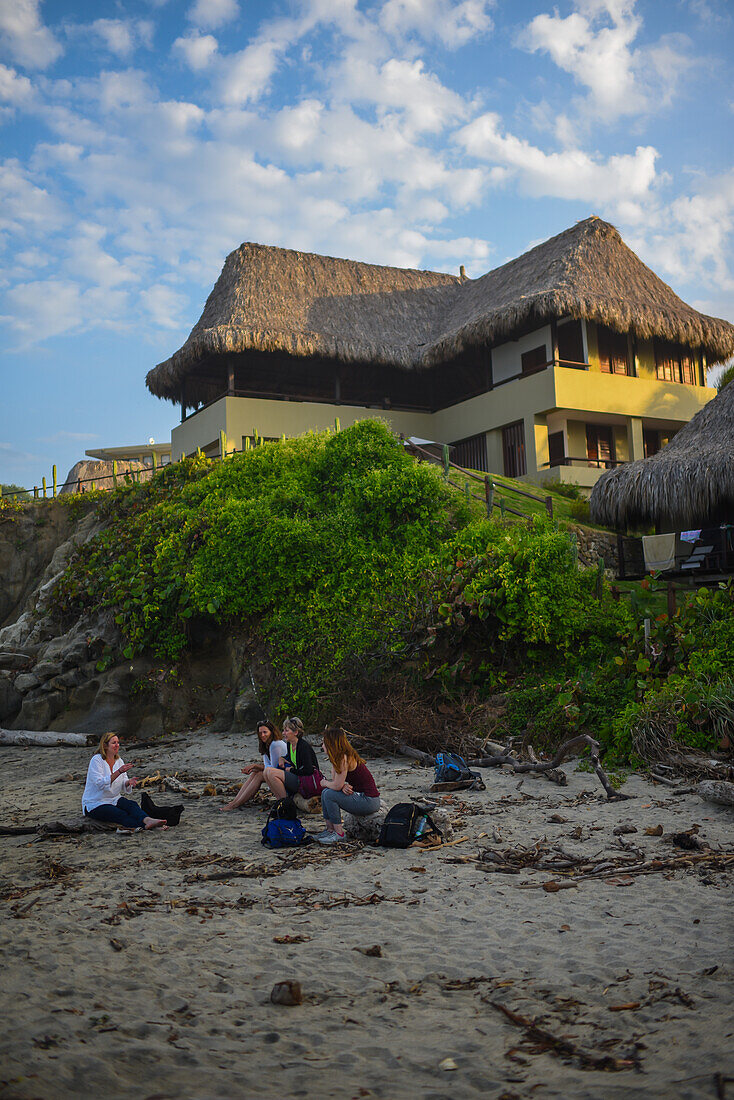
(126, 972)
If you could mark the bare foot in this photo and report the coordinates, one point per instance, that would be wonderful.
(223, 809)
(155, 823)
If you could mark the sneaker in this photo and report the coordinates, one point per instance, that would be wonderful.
(329, 838)
(321, 835)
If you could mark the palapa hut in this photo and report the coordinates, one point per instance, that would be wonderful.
(567, 360)
(690, 484)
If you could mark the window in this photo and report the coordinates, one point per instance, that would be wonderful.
(556, 449)
(674, 363)
(651, 442)
(471, 452)
(613, 351)
(571, 343)
(599, 445)
(534, 360)
(513, 449)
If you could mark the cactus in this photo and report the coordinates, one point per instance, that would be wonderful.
(155, 461)
(53, 471)
(114, 473)
(337, 424)
(44, 487)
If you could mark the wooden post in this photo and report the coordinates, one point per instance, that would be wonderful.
(489, 494)
(114, 473)
(53, 473)
(44, 487)
(549, 506)
(35, 492)
(620, 556)
(600, 579)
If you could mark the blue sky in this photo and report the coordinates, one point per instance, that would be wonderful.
(143, 140)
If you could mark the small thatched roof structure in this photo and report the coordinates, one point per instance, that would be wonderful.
(689, 484)
(273, 300)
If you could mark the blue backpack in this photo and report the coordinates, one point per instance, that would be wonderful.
(451, 768)
(282, 832)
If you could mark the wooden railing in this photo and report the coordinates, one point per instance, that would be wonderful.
(490, 485)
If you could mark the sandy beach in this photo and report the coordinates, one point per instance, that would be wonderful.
(142, 966)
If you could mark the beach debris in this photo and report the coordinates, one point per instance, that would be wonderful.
(716, 790)
(448, 1065)
(575, 744)
(287, 993)
(654, 830)
(540, 1039)
(557, 819)
(623, 830)
(687, 840)
(297, 937)
(374, 952)
(117, 944)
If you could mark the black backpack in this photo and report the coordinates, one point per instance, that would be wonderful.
(403, 824)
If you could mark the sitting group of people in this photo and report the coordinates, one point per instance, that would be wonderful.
(288, 766)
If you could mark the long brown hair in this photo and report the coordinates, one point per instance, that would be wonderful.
(338, 748)
(264, 746)
(104, 742)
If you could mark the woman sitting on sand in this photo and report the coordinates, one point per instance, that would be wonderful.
(350, 788)
(273, 751)
(106, 780)
(299, 768)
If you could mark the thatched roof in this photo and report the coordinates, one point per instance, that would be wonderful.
(689, 484)
(275, 300)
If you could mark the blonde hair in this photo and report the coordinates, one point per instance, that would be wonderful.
(294, 724)
(104, 742)
(338, 749)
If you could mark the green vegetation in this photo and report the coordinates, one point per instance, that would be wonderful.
(725, 378)
(341, 558)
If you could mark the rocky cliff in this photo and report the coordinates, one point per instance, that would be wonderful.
(68, 677)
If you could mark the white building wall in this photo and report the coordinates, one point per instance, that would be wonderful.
(506, 359)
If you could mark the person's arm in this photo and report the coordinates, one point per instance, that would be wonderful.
(306, 760)
(338, 778)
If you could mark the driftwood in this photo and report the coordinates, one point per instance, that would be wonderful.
(496, 760)
(561, 1045)
(716, 790)
(41, 738)
(70, 827)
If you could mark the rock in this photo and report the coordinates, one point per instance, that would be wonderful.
(10, 699)
(287, 993)
(46, 670)
(13, 661)
(26, 682)
(37, 712)
(247, 710)
(365, 828)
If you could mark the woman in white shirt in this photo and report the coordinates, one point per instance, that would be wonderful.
(103, 793)
(272, 750)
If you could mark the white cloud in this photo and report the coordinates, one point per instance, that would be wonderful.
(246, 75)
(164, 306)
(22, 33)
(210, 14)
(121, 37)
(572, 174)
(404, 87)
(454, 24)
(76, 437)
(595, 46)
(197, 50)
(14, 88)
(24, 206)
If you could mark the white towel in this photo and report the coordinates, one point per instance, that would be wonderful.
(659, 552)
